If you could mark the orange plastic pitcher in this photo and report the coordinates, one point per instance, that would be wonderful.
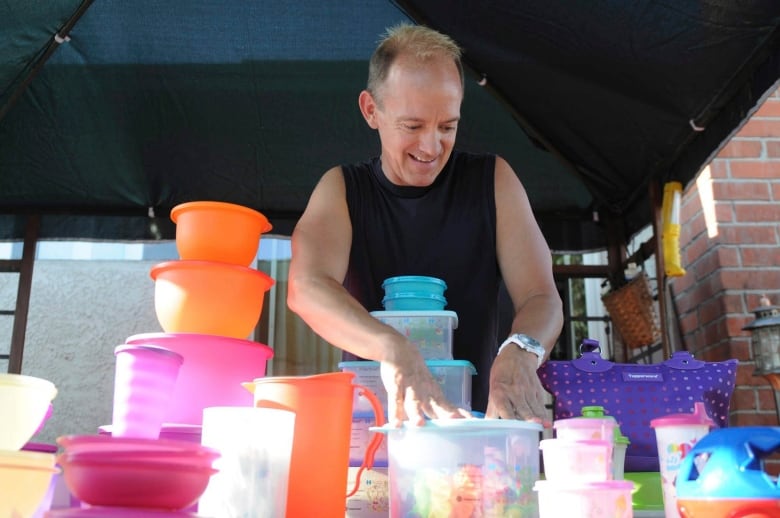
(320, 454)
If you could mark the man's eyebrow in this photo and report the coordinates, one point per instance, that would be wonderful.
(417, 119)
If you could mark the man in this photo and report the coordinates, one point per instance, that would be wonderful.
(422, 208)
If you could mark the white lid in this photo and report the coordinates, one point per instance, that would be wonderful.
(464, 425)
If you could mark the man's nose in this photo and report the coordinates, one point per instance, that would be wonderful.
(430, 142)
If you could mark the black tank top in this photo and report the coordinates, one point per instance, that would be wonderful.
(446, 230)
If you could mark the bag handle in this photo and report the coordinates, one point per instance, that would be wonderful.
(590, 359)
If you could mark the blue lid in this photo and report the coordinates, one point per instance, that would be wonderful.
(729, 463)
(452, 363)
(414, 278)
(414, 295)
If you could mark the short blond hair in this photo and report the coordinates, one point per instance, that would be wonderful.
(420, 42)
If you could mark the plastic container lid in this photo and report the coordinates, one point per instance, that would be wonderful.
(42, 447)
(698, 417)
(463, 425)
(414, 278)
(452, 363)
(583, 422)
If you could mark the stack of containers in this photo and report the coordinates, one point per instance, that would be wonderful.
(414, 306)
(579, 471)
(25, 475)
(208, 303)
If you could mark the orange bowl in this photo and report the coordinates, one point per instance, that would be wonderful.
(208, 297)
(218, 231)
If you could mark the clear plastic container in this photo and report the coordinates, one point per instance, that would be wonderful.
(454, 376)
(430, 331)
(464, 467)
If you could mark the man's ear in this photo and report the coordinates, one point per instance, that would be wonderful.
(368, 108)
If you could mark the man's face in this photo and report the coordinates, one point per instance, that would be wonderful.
(416, 115)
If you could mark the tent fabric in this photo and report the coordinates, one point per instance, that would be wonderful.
(150, 104)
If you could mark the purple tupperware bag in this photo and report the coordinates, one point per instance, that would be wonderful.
(635, 394)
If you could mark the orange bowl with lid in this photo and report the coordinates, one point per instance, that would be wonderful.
(208, 297)
(218, 231)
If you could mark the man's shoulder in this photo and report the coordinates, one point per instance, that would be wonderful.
(472, 161)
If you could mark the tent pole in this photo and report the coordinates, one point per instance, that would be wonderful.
(54, 43)
(656, 198)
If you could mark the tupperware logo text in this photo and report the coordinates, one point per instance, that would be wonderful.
(643, 376)
(675, 453)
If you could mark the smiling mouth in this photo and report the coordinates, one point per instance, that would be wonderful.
(418, 159)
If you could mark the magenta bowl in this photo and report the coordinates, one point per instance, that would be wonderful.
(127, 483)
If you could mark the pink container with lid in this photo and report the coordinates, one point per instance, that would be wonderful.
(214, 368)
(585, 428)
(573, 461)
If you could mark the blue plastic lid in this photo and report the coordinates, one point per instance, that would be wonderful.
(414, 295)
(452, 363)
(414, 278)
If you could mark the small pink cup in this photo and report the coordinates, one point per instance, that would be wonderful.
(145, 377)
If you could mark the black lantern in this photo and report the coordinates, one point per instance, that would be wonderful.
(765, 341)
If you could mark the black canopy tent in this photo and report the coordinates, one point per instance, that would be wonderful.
(147, 104)
(113, 112)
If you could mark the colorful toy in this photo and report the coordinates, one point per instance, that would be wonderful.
(723, 475)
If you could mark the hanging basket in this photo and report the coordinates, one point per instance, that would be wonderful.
(633, 313)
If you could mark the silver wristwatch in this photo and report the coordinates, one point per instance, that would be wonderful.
(526, 343)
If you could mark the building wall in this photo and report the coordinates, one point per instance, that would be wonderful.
(730, 246)
(79, 311)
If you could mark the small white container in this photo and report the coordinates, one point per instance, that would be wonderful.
(430, 331)
(611, 498)
(573, 461)
(619, 456)
(454, 377)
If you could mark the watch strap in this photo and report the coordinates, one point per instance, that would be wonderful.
(527, 343)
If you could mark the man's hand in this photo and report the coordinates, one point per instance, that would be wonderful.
(412, 393)
(515, 389)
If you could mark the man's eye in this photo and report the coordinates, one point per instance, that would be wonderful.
(412, 127)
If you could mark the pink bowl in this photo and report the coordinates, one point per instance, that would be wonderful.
(214, 368)
(135, 484)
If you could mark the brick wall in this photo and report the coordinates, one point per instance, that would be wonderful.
(730, 245)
